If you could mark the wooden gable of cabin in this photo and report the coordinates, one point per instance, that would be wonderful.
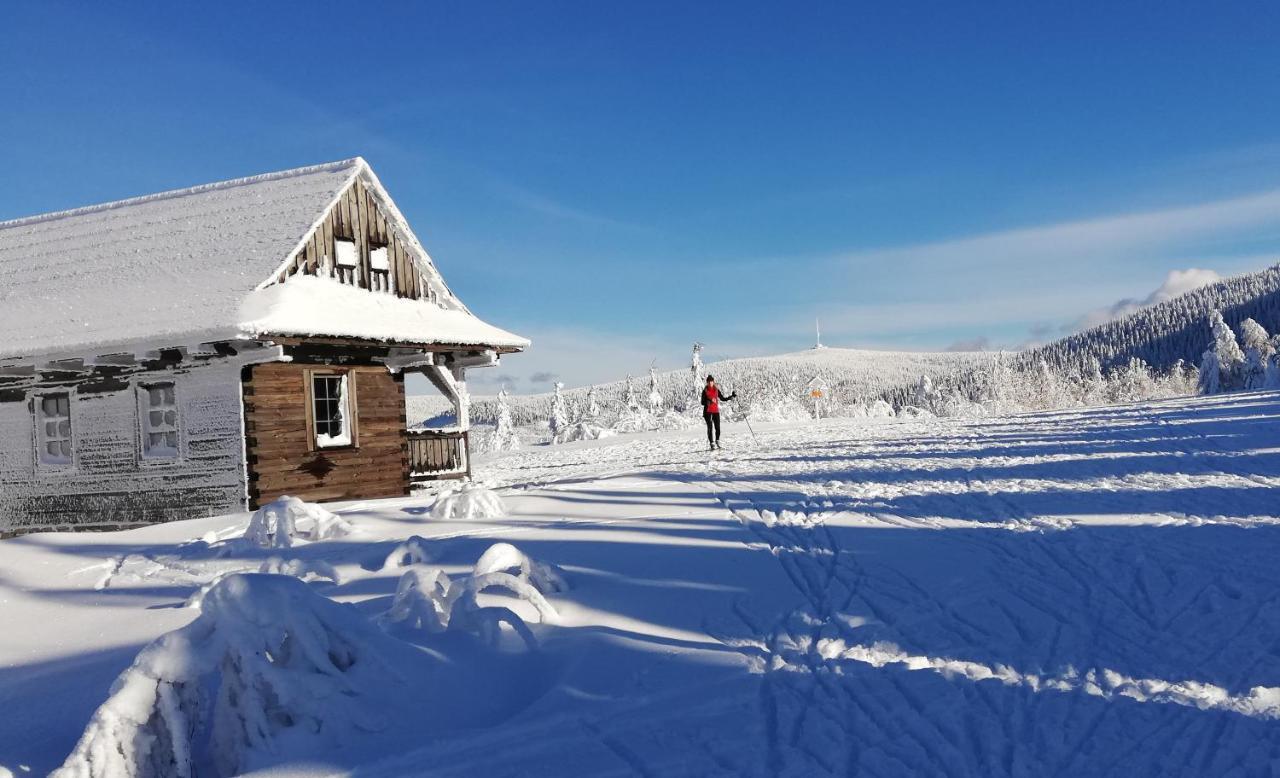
(359, 218)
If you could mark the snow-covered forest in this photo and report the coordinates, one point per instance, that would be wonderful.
(1172, 330)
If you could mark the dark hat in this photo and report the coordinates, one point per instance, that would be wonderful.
(710, 378)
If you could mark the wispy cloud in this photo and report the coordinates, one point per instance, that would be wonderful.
(1178, 282)
(1085, 241)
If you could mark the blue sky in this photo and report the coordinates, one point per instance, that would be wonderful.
(617, 180)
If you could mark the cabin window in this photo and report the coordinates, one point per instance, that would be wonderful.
(159, 412)
(331, 410)
(379, 269)
(53, 428)
(345, 259)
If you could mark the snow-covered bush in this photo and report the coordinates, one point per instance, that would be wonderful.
(506, 558)
(302, 569)
(428, 600)
(413, 551)
(470, 500)
(278, 523)
(421, 601)
(914, 412)
(267, 661)
(879, 409)
(584, 430)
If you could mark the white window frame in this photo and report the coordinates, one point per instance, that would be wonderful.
(41, 438)
(145, 430)
(347, 437)
(347, 259)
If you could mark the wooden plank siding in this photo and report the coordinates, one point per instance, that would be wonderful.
(356, 216)
(281, 454)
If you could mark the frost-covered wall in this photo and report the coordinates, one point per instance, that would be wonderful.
(109, 482)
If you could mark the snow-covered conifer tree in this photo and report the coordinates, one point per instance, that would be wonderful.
(1092, 384)
(630, 400)
(559, 421)
(1257, 352)
(504, 432)
(655, 397)
(593, 404)
(1226, 356)
(698, 370)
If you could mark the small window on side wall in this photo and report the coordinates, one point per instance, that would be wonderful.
(53, 429)
(159, 415)
(333, 425)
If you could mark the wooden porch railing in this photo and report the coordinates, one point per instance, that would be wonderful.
(435, 454)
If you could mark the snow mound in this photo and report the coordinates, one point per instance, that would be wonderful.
(278, 523)
(506, 558)
(415, 550)
(302, 569)
(583, 430)
(473, 500)
(428, 600)
(266, 662)
(879, 410)
(914, 412)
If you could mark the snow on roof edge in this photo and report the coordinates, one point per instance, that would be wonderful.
(323, 167)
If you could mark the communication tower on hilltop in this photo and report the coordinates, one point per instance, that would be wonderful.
(817, 329)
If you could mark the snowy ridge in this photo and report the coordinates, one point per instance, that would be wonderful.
(851, 374)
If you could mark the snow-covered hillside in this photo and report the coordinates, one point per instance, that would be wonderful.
(1175, 329)
(1089, 592)
(851, 375)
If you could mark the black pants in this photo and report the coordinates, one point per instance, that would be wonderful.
(713, 421)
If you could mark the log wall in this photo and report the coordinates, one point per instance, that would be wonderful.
(282, 456)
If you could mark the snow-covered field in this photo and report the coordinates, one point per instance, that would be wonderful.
(1090, 592)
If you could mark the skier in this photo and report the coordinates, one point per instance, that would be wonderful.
(711, 399)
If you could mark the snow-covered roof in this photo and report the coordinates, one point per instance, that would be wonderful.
(310, 305)
(194, 265)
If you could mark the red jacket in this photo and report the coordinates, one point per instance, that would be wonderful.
(711, 398)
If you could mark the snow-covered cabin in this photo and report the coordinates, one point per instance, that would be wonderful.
(209, 349)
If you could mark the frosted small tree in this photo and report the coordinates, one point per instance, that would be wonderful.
(559, 422)
(1221, 366)
(926, 396)
(593, 404)
(504, 432)
(1257, 353)
(698, 370)
(632, 404)
(655, 397)
(1092, 384)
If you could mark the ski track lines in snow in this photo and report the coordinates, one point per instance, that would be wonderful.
(1150, 628)
(1084, 592)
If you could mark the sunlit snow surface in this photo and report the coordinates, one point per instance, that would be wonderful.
(1079, 593)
